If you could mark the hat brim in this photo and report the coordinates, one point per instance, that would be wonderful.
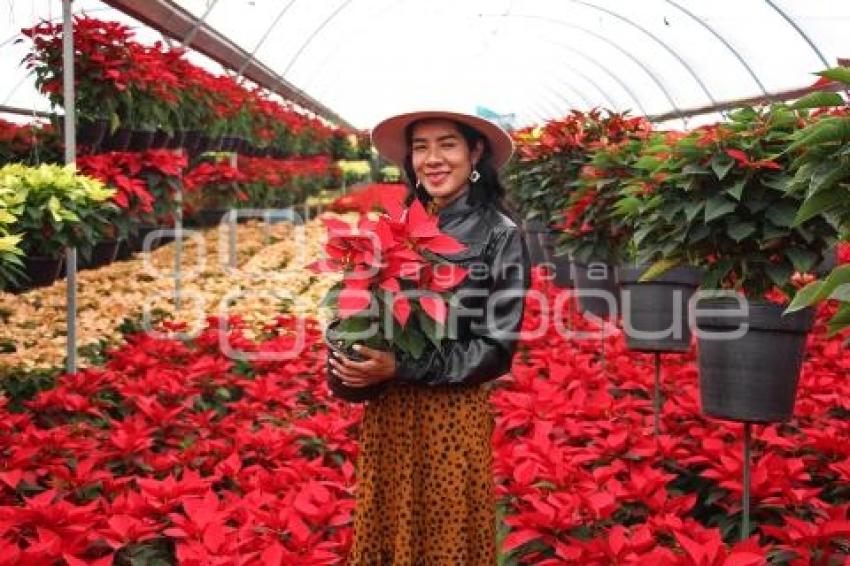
(388, 136)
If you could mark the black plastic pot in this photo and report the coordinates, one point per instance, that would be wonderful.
(562, 264)
(142, 140)
(136, 242)
(191, 140)
(655, 313)
(103, 253)
(118, 141)
(596, 283)
(90, 134)
(124, 251)
(752, 378)
(41, 271)
(337, 387)
(207, 217)
(161, 139)
(535, 234)
(176, 139)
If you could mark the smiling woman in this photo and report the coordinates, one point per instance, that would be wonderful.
(425, 483)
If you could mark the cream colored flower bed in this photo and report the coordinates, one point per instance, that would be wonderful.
(270, 279)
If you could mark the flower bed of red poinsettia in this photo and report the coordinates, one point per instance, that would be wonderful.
(585, 481)
(173, 451)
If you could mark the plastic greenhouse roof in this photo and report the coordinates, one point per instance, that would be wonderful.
(533, 59)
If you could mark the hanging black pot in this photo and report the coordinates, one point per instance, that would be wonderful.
(596, 283)
(141, 140)
(41, 271)
(123, 252)
(535, 234)
(562, 264)
(161, 139)
(176, 140)
(753, 377)
(136, 242)
(337, 387)
(655, 313)
(207, 217)
(118, 141)
(191, 140)
(103, 253)
(90, 133)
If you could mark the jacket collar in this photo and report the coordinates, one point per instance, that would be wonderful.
(458, 207)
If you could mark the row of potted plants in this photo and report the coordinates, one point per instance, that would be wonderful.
(733, 206)
(131, 96)
(142, 197)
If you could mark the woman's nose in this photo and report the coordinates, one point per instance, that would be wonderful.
(434, 156)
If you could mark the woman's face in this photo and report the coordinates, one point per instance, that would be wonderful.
(441, 159)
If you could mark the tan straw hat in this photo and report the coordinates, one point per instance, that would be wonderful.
(388, 135)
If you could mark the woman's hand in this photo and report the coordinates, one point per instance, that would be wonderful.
(377, 367)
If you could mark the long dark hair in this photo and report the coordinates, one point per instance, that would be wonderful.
(487, 190)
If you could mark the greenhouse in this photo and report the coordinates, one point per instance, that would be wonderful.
(403, 282)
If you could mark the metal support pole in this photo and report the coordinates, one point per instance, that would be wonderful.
(231, 220)
(745, 502)
(70, 159)
(657, 399)
(178, 243)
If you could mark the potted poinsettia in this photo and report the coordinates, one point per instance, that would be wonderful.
(544, 173)
(394, 291)
(822, 178)
(57, 209)
(654, 312)
(726, 208)
(593, 235)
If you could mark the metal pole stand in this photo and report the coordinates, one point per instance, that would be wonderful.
(657, 399)
(178, 244)
(745, 500)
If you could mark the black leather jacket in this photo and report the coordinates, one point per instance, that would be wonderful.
(488, 305)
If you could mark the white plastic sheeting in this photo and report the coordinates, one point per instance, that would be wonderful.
(534, 59)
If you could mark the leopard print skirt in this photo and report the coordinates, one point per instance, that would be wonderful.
(425, 480)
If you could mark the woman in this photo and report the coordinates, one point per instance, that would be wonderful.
(425, 483)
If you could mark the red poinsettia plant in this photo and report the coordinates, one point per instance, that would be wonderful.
(396, 279)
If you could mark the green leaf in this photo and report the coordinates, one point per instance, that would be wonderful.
(806, 296)
(718, 206)
(627, 206)
(819, 100)
(840, 74)
(840, 320)
(692, 209)
(817, 291)
(781, 214)
(741, 230)
(722, 164)
(735, 190)
(803, 260)
(827, 174)
(820, 203)
(658, 269)
(780, 274)
(825, 131)
(715, 274)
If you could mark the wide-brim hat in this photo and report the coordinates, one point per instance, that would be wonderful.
(389, 139)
